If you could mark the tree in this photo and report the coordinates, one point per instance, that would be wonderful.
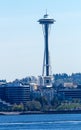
(19, 107)
(33, 105)
(43, 100)
(55, 102)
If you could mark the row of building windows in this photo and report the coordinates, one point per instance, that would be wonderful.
(70, 93)
(15, 94)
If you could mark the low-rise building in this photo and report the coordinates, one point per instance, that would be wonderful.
(15, 94)
(70, 93)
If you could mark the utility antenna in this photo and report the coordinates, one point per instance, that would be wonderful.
(46, 11)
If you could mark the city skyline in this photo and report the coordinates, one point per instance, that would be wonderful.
(22, 42)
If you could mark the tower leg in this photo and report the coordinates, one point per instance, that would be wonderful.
(46, 49)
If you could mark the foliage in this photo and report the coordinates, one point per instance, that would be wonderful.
(33, 105)
(55, 102)
(43, 100)
(69, 106)
(19, 107)
(41, 104)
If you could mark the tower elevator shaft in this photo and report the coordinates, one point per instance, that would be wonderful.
(46, 49)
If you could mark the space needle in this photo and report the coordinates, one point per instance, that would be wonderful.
(46, 71)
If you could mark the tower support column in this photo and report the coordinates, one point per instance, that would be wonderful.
(46, 49)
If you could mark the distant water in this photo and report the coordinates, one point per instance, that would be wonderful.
(41, 122)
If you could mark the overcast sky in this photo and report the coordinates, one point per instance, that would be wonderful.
(22, 41)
